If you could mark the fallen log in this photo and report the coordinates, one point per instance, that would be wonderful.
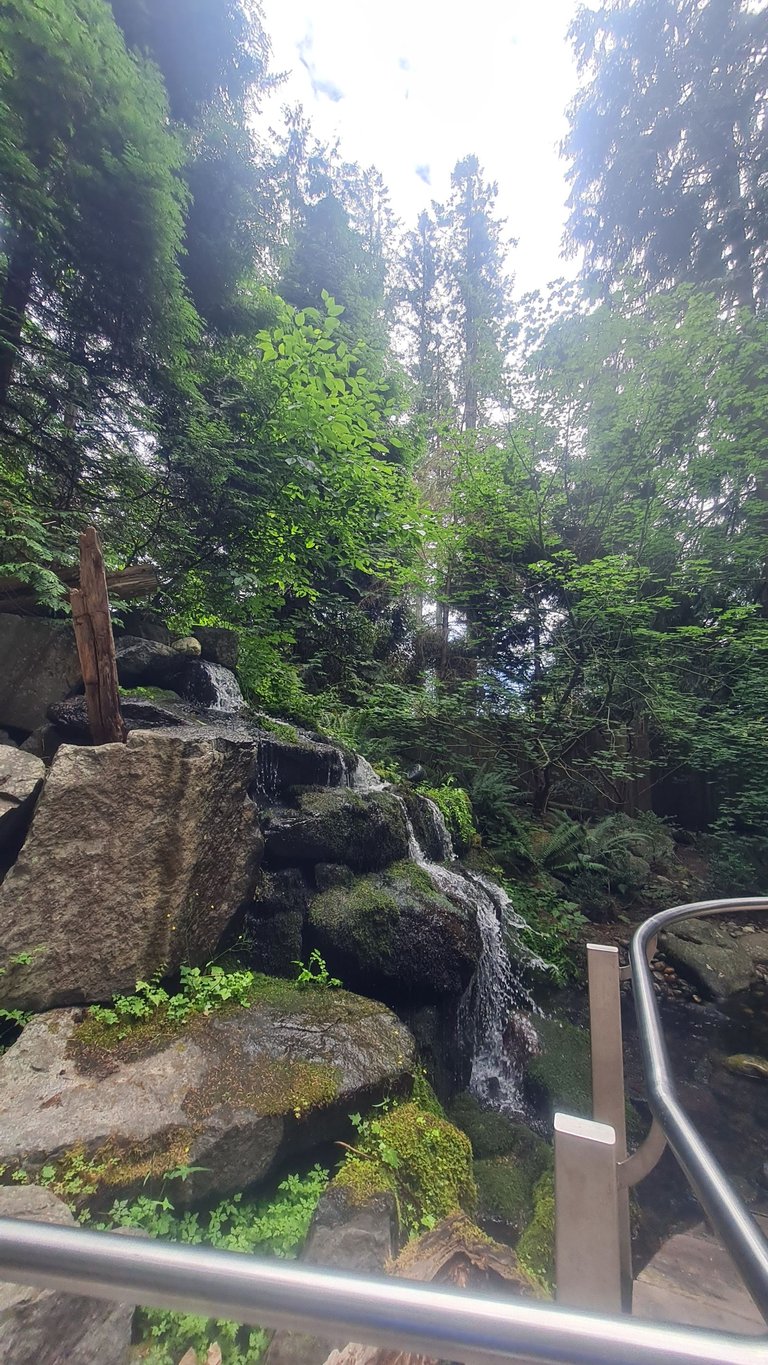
(139, 580)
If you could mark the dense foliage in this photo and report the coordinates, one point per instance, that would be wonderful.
(522, 545)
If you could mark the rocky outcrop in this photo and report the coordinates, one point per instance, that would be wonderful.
(21, 777)
(363, 830)
(718, 963)
(138, 857)
(44, 1327)
(39, 666)
(291, 759)
(274, 922)
(218, 646)
(147, 663)
(70, 718)
(396, 936)
(347, 1233)
(233, 1094)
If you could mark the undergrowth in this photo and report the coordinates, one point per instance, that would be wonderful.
(274, 1227)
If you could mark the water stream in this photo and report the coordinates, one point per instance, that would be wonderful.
(493, 1021)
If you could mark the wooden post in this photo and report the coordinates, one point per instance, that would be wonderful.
(96, 644)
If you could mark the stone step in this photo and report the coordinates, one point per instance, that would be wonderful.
(692, 1281)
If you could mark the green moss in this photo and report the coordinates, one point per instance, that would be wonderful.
(490, 1133)
(94, 1042)
(281, 729)
(148, 694)
(423, 1095)
(536, 1248)
(422, 1158)
(563, 1072)
(366, 912)
(271, 1086)
(505, 1192)
(563, 1068)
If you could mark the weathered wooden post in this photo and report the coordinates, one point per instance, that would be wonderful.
(96, 644)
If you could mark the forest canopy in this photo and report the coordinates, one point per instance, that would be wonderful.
(521, 542)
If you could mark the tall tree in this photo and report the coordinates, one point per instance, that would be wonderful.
(85, 135)
(668, 145)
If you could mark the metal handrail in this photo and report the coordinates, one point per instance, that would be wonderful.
(729, 1216)
(379, 1312)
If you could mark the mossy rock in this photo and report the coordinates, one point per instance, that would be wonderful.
(504, 1196)
(536, 1248)
(560, 1077)
(364, 830)
(418, 1156)
(491, 1133)
(395, 936)
(561, 1074)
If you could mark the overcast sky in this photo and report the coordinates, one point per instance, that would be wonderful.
(412, 85)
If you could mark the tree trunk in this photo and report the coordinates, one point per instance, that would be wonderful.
(13, 308)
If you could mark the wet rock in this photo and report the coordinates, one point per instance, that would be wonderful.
(38, 666)
(346, 1234)
(144, 851)
(328, 875)
(393, 934)
(210, 685)
(218, 646)
(274, 922)
(292, 761)
(717, 965)
(234, 1094)
(363, 830)
(428, 826)
(21, 777)
(743, 1065)
(43, 742)
(146, 663)
(45, 1327)
(5, 739)
(69, 718)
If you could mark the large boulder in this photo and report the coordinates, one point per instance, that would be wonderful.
(147, 663)
(210, 685)
(218, 645)
(233, 1094)
(289, 758)
(364, 830)
(21, 777)
(45, 1327)
(717, 963)
(70, 721)
(39, 666)
(395, 935)
(138, 857)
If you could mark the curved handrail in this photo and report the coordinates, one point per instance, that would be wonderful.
(725, 1210)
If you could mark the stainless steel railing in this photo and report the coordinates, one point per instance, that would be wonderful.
(379, 1312)
(725, 1210)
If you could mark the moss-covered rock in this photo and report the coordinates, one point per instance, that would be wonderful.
(273, 923)
(561, 1073)
(234, 1094)
(364, 830)
(536, 1248)
(418, 1156)
(394, 935)
(509, 1160)
(491, 1133)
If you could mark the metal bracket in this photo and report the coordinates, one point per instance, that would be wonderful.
(640, 1164)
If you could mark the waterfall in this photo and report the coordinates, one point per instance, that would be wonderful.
(225, 688)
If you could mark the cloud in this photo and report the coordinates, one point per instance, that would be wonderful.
(320, 86)
(424, 173)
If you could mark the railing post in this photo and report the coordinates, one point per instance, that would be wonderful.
(587, 1260)
(608, 1096)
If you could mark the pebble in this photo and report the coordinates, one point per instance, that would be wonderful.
(696, 999)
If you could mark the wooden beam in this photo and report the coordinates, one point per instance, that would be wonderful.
(139, 580)
(96, 644)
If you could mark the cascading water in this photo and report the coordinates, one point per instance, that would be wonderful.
(225, 689)
(493, 1014)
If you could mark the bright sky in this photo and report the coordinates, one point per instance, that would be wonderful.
(412, 85)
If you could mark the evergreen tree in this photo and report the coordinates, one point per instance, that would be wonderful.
(668, 147)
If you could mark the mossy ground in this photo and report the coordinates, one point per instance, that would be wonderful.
(418, 1156)
(536, 1248)
(95, 1043)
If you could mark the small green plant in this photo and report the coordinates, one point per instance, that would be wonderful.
(553, 929)
(456, 809)
(16, 1019)
(202, 991)
(276, 1227)
(315, 973)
